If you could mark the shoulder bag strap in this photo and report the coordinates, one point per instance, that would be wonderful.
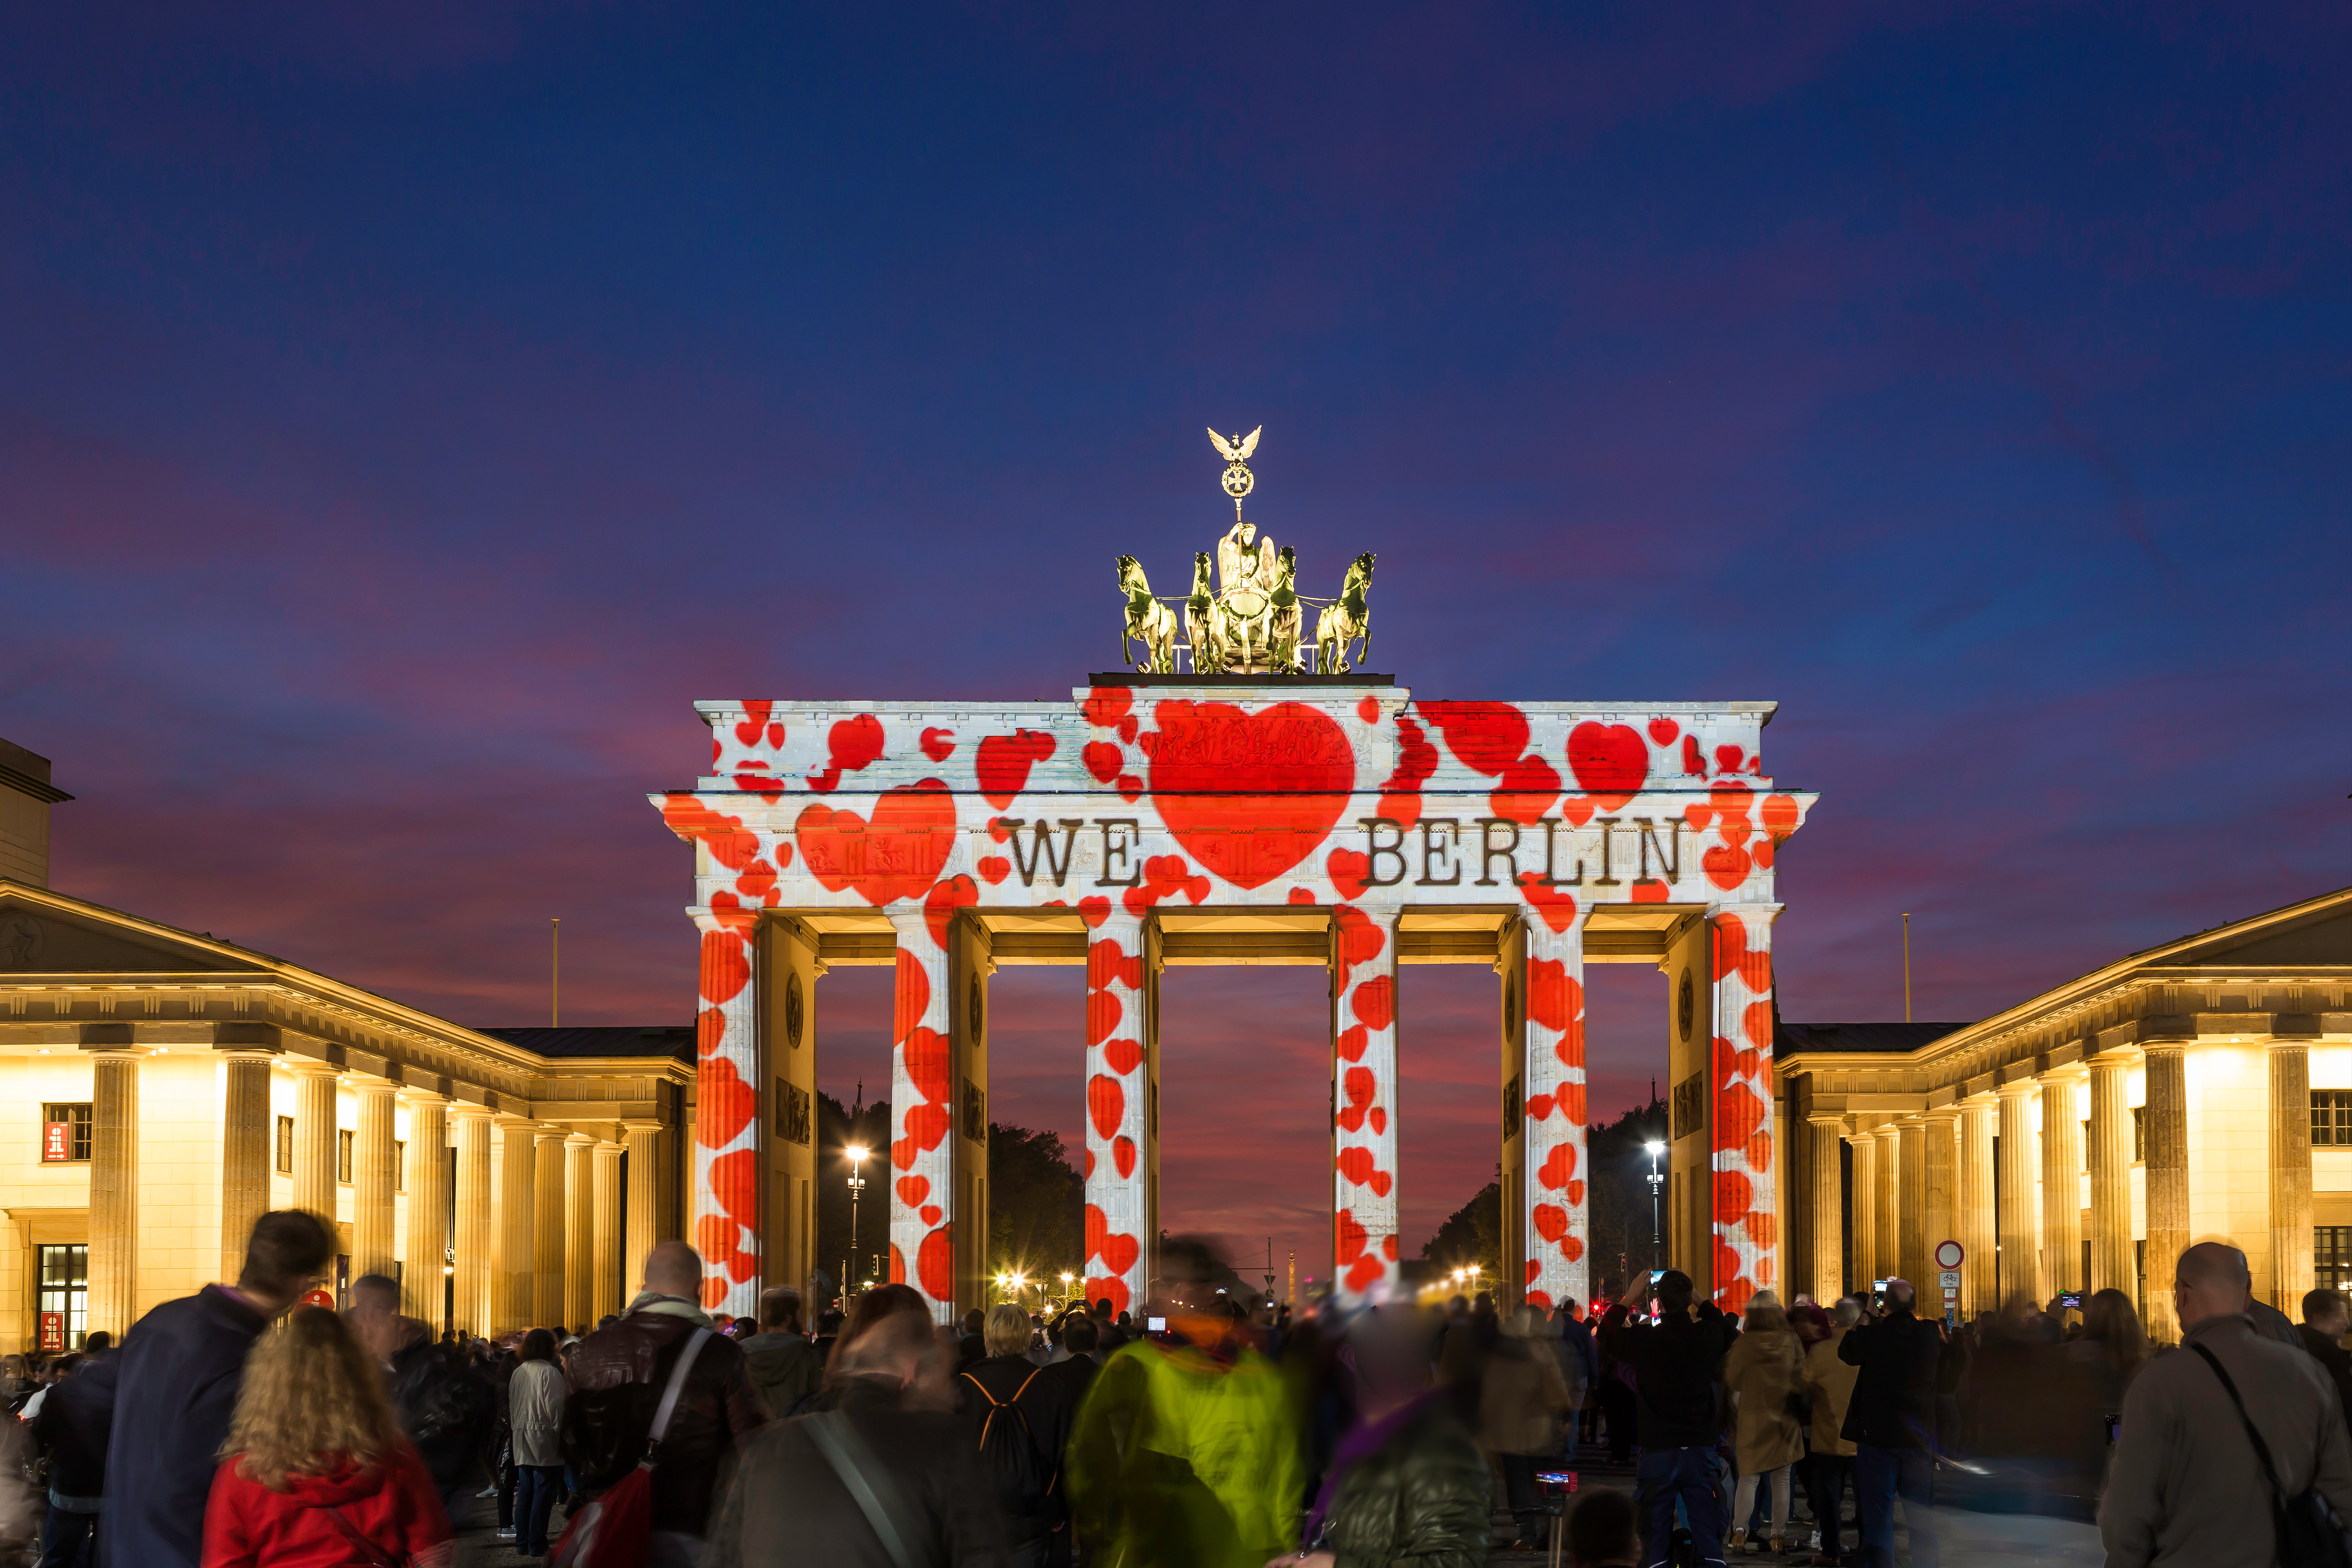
(2262, 1450)
(376, 1556)
(669, 1404)
(852, 1464)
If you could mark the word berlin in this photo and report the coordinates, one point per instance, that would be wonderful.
(1444, 852)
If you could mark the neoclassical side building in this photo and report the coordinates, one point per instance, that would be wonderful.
(2079, 1140)
(163, 1087)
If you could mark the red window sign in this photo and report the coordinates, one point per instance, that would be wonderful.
(53, 1331)
(56, 1144)
(319, 1298)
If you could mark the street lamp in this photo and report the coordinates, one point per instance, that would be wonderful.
(1655, 1149)
(856, 1153)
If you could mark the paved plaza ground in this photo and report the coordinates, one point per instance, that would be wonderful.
(1968, 1539)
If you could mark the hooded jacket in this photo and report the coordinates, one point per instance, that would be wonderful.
(176, 1380)
(392, 1504)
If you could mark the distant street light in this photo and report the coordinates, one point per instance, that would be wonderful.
(856, 1153)
(1655, 1149)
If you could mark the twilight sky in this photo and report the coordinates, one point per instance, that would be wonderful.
(404, 417)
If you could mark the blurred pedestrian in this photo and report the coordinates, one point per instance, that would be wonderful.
(1521, 1399)
(70, 1434)
(1019, 1422)
(1763, 1373)
(1676, 1365)
(2325, 1320)
(316, 1473)
(2192, 1482)
(783, 1366)
(1830, 1380)
(1891, 1421)
(176, 1391)
(536, 1395)
(443, 1406)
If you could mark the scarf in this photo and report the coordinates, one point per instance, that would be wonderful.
(670, 1307)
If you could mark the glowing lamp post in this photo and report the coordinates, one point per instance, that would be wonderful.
(856, 1153)
(1655, 1149)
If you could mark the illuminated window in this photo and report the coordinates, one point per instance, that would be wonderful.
(2139, 1134)
(285, 1145)
(64, 1301)
(343, 1141)
(76, 1118)
(400, 1164)
(2331, 1118)
(2331, 1256)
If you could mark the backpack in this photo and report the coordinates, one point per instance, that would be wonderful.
(1009, 1450)
(2309, 1536)
(616, 1530)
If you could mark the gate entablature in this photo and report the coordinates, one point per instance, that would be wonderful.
(1148, 821)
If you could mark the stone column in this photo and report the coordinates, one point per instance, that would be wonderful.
(2020, 1232)
(1828, 1206)
(515, 1287)
(316, 1122)
(1979, 1227)
(1888, 1197)
(606, 1296)
(547, 1229)
(727, 1217)
(579, 1230)
(1943, 1223)
(1555, 1213)
(1118, 1102)
(425, 1290)
(114, 1303)
(2166, 1118)
(372, 1245)
(1742, 1200)
(476, 1213)
(2061, 1181)
(2291, 1238)
(1913, 1205)
(646, 1151)
(920, 1183)
(2114, 1261)
(246, 1128)
(1364, 1097)
(1865, 1212)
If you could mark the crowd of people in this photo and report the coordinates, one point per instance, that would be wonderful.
(238, 1428)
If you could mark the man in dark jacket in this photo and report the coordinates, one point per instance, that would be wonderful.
(617, 1377)
(789, 1505)
(1678, 1368)
(1075, 1372)
(443, 1406)
(175, 1388)
(1891, 1421)
(71, 1431)
(2325, 1320)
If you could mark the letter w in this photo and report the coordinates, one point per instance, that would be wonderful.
(1041, 848)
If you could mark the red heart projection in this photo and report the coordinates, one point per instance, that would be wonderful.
(1734, 1195)
(926, 1125)
(927, 1064)
(1556, 909)
(912, 994)
(1360, 940)
(1122, 1057)
(854, 743)
(941, 903)
(1558, 1166)
(1249, 796)
(1487, 736)
(1348, 1236)
(724, 1103)
(726, 967)
(1122, 1155)
(1730, 943)
(938, 744)
(1106, 705)
(931, 1213)
(1663, 730)
(1350, 872)
(754, 719)
(913, 1190)
(1097, 1228)
(1358, 1165)
(1554, 998)
(1106, 1104)
(1352, 1041)
(1610, 762)
(1120, 1252)
(734, 1182)
(710, 1028)
(993, 869)
(1761, 1228)
(898, 856)
(1004, 763)
(1727, 868)
(935, 1265)
(1362, 1086)
(1551, 1221)
(1375, 1002)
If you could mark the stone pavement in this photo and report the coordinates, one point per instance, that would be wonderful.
(1967, 1540)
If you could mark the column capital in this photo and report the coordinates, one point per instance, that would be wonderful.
(467, 1108)
(1833, 1119)
(311, 1067)
(413, 1096)
(2292, 1043)
(2112, 1060)
(2018, 1087)
(2063, 1075)
(631, 1124)
(1887, 1132)
(574, 1136)
(1948, 1115)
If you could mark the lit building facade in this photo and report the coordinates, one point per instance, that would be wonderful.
(160, 1089)
(2079, 1140)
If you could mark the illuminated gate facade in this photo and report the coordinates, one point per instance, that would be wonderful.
(1151, 820)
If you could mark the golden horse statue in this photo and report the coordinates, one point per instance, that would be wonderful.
(1148, 622)
(1346, 619)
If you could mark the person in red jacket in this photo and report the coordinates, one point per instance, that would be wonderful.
(318, 1474)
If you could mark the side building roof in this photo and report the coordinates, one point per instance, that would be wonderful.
(674, 1040)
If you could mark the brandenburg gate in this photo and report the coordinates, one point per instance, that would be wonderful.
(1265, 805)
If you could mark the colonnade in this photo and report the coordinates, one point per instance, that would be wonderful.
(2000, 1163)
(546, 1243)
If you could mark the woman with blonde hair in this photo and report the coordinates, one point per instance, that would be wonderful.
(315, 1473)
(1764, 1373)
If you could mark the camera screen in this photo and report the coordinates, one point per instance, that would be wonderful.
(1155, 1325)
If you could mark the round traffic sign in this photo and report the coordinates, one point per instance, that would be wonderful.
(1949, 1254)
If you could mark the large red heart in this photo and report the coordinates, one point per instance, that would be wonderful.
(1249, 796)
(1551, 1221)
(896, 855)
(1097, 1228)
(1002, 765)
(1120, 1252)
(1610, 762)
(935, 1265)
(1122, 1155)
(1558, 1166)
(913, 1190)
(927, 1063)
(735, 1183)
(1106, 1104)
(723, 1103)
(1122, 1057)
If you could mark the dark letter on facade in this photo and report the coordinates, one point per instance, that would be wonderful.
(1040, 847)
(1673, 865)
(1393, 849)
(1489, 851)
(1605, 879)
(1122, 847)
(1431, 850)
